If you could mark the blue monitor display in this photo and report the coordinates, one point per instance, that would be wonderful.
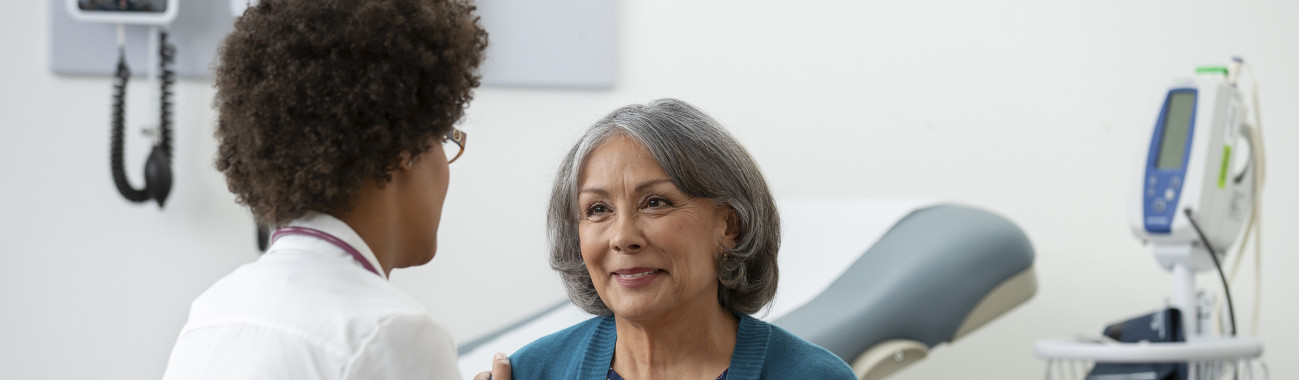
(1177, 124)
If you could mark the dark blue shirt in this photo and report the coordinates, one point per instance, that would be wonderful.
(615, 376)
(762, 351)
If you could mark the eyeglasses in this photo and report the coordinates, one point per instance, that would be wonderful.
(457, 138)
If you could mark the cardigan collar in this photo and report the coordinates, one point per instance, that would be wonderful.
(746, 361)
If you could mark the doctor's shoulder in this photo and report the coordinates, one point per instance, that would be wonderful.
(555, 356)
(373, 327)
(405, 344)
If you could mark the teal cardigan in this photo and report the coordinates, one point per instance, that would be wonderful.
(762, 351)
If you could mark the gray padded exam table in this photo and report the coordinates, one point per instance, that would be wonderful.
(878, 283)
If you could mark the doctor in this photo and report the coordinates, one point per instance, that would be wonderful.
(335, 125)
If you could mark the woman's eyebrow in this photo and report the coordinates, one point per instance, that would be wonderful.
(639, 188)
(647, 184)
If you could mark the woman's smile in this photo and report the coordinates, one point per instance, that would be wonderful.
(636, 277)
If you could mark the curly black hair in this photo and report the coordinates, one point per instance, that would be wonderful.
(316, 96)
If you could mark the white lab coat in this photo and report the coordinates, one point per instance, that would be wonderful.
(308, 310)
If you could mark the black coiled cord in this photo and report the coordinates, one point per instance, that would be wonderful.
(168, 79)
(157, 171)
(119, 123)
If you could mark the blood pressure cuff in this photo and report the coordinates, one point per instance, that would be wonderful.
(1161, 326)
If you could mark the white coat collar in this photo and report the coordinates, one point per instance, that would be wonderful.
(333, 226)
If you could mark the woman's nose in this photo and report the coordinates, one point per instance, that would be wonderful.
(627, 236)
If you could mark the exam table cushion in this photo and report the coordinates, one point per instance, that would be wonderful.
(918, 282)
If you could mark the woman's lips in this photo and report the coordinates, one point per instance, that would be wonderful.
(636, 277)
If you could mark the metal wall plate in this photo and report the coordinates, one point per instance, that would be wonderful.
(82, 48)
(565, 43)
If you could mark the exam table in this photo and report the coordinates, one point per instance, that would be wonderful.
(878, 283)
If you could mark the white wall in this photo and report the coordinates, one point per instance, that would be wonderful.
(1030, 109)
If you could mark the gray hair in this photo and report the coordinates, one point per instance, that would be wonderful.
(703, 160)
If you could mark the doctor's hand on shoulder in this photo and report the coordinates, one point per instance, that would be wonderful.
(500, 369)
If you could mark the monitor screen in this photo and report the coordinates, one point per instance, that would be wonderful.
(153, 6)
(1179, 112)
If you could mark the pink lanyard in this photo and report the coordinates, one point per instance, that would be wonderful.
(322, 235)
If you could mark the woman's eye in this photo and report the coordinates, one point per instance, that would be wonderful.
(656, 202)
(596, 209)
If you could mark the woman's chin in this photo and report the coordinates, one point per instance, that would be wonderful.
(417, 259)
(636, 307)
(428, 253)
(425, 259)
(637, 314)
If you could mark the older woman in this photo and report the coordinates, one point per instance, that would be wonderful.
(663, 227)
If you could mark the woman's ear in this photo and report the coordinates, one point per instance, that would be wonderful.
(405, 163)
(731, 237)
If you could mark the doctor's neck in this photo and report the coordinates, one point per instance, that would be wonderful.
(374, 215)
